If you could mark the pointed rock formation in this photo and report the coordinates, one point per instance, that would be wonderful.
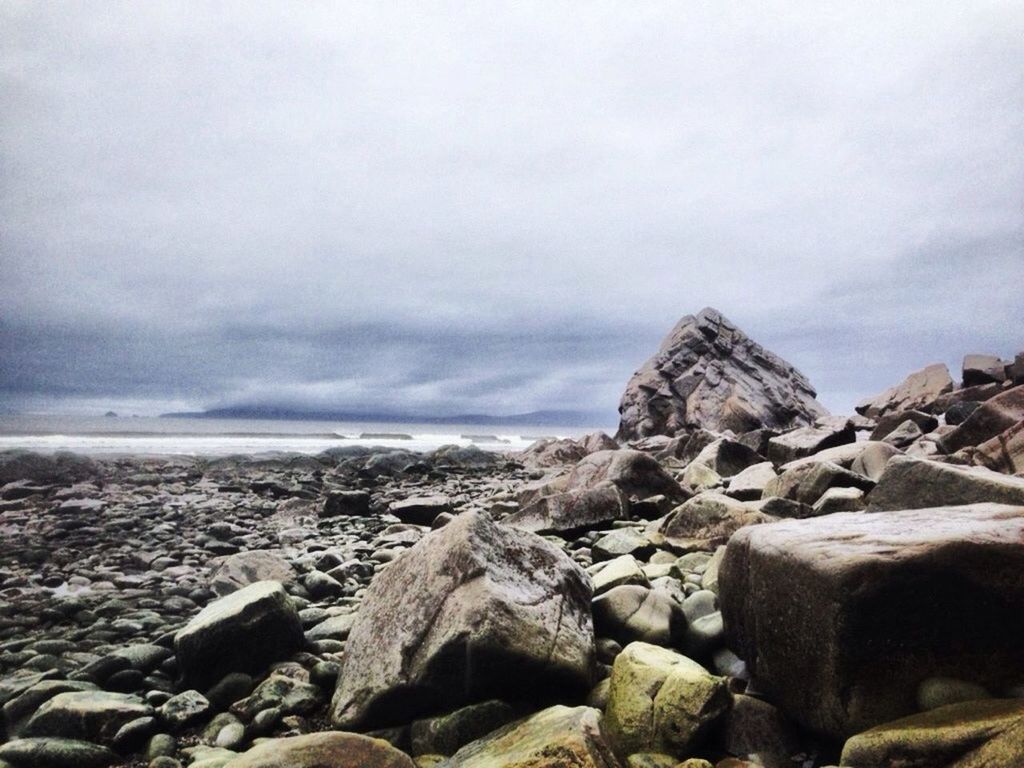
(709, 374)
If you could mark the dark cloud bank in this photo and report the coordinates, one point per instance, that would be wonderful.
(497, 211)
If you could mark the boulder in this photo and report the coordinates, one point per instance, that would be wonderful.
(446, 734)
(918, 392)
(704, 522)
(888, 423)
(240, 570)
(978, 394)
(989, 419)
(56, 753)
(749, 484)
(620, 571)
(556, 737)
(552, 452)
(574, 511)
(830, 617)
(323, 750)
(94, 716)
(628, 613)
(807, 441)
(661, 701)
(420, 510)
(709, 374)
(242, 632)
(635, 473)
(727, 457)
(910, 483)
(351, 503)
(806, 482)
(975, 734)
(983, 369)
(621, 541)
(870, 462)
(1004, 452)
(474, 611)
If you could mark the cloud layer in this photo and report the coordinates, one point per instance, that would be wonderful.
(501, 210)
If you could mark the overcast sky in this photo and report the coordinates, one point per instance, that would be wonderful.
(497, 207)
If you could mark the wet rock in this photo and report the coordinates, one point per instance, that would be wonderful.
(969, 735)
(323, 750)
(94, 716)
(661, 701)
(473, 611)
(446, 734)
(709, 374)
(184, 709)
(828, 612)
(552, 738)
(242, 632)
(56, 753)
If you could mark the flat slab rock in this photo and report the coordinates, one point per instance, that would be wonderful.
(841, 617)
(319, 750)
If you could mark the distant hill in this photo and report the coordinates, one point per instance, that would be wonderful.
(534, 418)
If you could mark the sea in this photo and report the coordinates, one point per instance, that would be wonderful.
(161, 436)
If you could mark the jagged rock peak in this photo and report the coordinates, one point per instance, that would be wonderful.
(710, 374)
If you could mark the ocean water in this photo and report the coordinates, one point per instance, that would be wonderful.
(101, 435)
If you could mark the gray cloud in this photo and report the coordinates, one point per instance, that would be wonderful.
(498, 209)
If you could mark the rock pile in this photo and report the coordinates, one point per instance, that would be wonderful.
(746, 582)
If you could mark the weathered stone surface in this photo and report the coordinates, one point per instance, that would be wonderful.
(473, 611)
(890, 422)
(635, 473)
(661, 701)
(323, 750)
(918, 391)
(749, 484)
(976, 734)
(61, 466)
(628, 613)
(807, 441)
(621, 571)
(727, 457)
(1004, 452)
(446, 734)
(420, 510)
(704, 522)
(56, 753)
(983, 369)
(94, 716)
(989, 419)
(709, 374)
(909, 483)
(870, 463)
(572, 511)
(556, 737)
(351, 503)
(245, 568)
(242, 632)
(806, 482)
(830, 616)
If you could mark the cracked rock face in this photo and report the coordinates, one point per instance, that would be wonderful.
(709, 374)
(474, 611)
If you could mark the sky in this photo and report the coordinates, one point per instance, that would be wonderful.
(448, 208)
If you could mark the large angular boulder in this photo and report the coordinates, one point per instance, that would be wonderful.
(242, 632)
(807, 441)
(834, 619)
(986, 421)
(43, 752)
(983, 369)
(635, 473)
(1004, 452)
(806, 482)
(910, 483)
(709, 374)
(918, 392)
(323, 750)
(972, 734)
(474, 611)
(632, 612)
(556, 737)
(661, 701)
(573, 511)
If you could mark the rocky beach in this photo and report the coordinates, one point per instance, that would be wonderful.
(736, 578)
